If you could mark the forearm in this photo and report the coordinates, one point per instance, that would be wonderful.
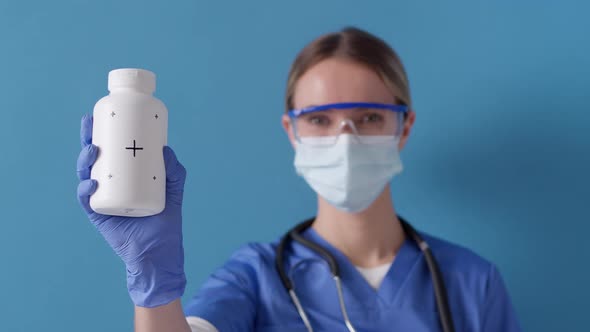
(165, 318)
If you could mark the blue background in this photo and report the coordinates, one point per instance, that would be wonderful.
(498, 160)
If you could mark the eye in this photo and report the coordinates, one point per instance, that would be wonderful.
(372, 118)
(318, 120)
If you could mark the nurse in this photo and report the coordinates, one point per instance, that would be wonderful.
(348, 114)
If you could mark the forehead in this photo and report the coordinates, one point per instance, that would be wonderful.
(336, 80)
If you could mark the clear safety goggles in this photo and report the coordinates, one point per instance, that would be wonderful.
(364, 120)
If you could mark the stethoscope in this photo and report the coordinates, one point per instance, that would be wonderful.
(440, 292)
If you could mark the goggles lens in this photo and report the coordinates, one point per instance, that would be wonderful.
(361, 119)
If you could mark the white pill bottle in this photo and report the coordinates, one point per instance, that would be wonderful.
(130, 129)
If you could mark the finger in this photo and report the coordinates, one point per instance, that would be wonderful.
(86, 159)
(175, 171)
(85, 189)
(86, 130)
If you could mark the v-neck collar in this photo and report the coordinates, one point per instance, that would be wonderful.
(355, 285)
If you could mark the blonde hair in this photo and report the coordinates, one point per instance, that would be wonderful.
(359, 46)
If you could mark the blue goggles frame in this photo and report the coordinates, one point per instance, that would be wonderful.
(391, 107)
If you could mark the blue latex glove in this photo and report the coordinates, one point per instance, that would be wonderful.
(151, 247)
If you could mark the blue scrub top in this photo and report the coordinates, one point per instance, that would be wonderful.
(246, 293)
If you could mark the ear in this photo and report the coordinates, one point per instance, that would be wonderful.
(411, 117)
(288, 127)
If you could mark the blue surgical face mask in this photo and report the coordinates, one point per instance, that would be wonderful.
(348, 174)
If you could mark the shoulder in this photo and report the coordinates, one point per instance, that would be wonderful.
(230, 295)
(470, 278)
(456, 259)
(475, 284)
(253, 254)
(247, 265)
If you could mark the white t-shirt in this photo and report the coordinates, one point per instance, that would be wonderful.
(373, 275)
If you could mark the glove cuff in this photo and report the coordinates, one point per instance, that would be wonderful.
(153, 286)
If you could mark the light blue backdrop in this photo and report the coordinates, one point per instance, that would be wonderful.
(498, 160)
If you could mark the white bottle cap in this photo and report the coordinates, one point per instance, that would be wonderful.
(135, 78)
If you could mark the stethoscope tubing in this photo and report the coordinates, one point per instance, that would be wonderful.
(442, 303)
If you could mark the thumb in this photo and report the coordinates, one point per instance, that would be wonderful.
(85, 189)
(175, 171)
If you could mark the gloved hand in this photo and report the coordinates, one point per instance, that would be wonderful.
(151, 247)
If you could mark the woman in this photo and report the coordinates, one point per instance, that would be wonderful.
(348, 115)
